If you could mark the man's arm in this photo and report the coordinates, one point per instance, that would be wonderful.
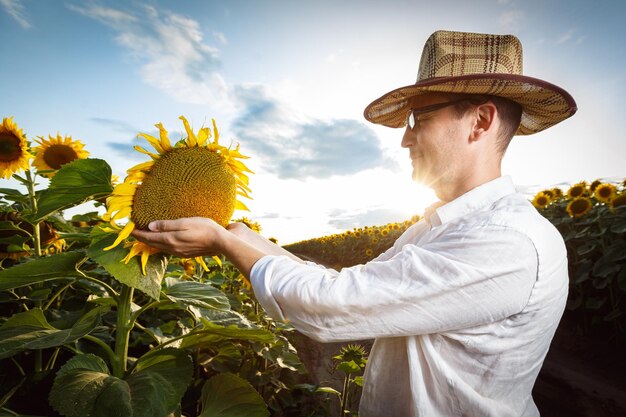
(197, 236)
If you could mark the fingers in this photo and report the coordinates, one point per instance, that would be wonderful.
(168, 225)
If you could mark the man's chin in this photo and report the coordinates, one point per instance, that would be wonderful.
(418, 177)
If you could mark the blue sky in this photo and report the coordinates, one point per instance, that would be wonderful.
(289, 80)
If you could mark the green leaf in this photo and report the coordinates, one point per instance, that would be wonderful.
(13, 195)
(227, 395)
(358, 380)
(328, 390)
(73, 184)
(86, 361)
(211, 333)
(221, 317)
(349, 367)
(129, 273)
(31, 330)
(616, 252)
(619, 226)
(83, 387)
(621, 279)
(190, 293)
(603, 267)
(59, 266)
(7, 225)
(586, 248)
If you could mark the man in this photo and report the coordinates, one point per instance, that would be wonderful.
(464, 305)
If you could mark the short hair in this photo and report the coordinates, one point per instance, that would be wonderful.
(509, 112)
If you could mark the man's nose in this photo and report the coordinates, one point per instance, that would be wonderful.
(408, 139)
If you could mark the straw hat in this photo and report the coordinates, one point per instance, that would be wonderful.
(475, 63)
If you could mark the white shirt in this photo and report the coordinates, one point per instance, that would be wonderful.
(463, 307)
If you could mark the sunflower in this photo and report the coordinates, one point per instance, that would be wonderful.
(194, 177)
(579, 206)
(49, 238)
(354, 353)
(577, 190)
(252, 225)
(55, 152)
(556, 193)
(605, 192)
(14, 152)
(541, 200)
(594, 185)
(619, 200)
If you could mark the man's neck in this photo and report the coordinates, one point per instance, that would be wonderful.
(449, 191)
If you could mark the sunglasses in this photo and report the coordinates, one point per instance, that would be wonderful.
(411, 118)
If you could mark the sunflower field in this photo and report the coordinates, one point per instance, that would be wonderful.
(96, 323)
(592, 220)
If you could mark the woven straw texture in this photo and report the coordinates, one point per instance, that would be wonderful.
(473, 63)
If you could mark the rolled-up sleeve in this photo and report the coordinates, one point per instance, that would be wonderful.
(453, 282)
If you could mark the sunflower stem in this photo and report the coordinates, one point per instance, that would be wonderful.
(30, 185)
(122, 334)
(36, 237)
(103, 345)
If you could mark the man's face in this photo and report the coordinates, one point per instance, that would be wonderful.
(436, 142)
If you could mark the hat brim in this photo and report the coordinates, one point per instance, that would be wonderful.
(543, 104)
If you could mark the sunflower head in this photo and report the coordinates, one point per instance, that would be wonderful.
(14, 152)
(605, 192)
(577, 190)
(353, 352)
(252, 225)
(594, 185)
(542, 200)
(579, 206)
(618, 200)
(56, 151)
(194, 177)
(556, 193)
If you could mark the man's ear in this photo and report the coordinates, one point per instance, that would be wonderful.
(484, 120)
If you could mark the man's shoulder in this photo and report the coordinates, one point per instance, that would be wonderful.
(515, 211)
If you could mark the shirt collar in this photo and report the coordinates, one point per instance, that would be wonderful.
(475, 199)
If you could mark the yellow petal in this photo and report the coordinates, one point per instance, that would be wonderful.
(240, 206)
(200, 260)
(144, 166)
(218, 260)
(191, 137)
(156, 143)
(142, 150)
(216, 133)
(118, 204)
(165, 140)
(124, 212)
(134, 251)
(203, 135)
(125, 189)
(124, 233)
(144, 260)
(243, 193)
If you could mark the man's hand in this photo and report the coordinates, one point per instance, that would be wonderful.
(188, 237)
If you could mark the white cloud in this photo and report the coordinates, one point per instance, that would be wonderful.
(15, 9)
(565, 37)
(512, 20)
(220, 37)
(297, 148)
(175, 57)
